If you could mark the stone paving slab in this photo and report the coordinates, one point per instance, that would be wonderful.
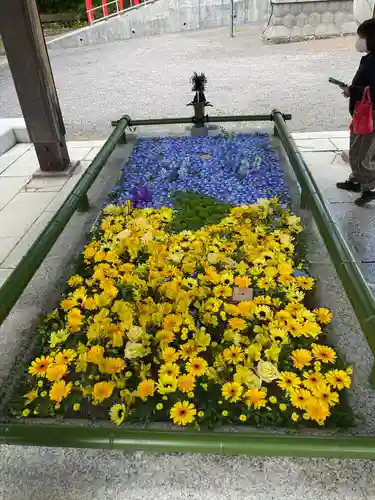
(27, 203)
(356, 224)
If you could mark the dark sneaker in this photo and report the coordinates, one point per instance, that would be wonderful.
(365, 198)
(349, 186)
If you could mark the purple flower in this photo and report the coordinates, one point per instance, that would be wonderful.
(141, 196)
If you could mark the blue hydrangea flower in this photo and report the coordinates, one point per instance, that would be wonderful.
(238, 170)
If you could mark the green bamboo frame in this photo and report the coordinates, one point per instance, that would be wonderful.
(16, 283)
(223, 443)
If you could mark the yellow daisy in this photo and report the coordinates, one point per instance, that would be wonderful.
(197, 366)
(289, 381)
(298, 397)
(324, 394)
(102, 391)
(316, 410)
(323, 315)
(338, 379)
(39, 366)
(118, 413)
(183, 413)
(232, 391)
(324, 353)
(313, 380)
(233, 355)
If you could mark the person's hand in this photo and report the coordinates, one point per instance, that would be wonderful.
(346, 92)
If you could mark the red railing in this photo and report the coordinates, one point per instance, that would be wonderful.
(90, 10)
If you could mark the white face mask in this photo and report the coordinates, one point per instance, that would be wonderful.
(361, 45)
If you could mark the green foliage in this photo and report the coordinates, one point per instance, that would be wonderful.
(53, 6)
(194, 210)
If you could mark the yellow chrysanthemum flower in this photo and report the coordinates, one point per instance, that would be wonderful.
(146, 389)
(255, 397)
(170, 355)
(186, 383)
(60, 390)
(170, 369)
(316, 410)
(301, 358)
(102, 391)
(56, 372)
(323, 393)
(313, 380)
(298, 397)
(323, 315)
(112, 365)
(75, 280)
(65, 357)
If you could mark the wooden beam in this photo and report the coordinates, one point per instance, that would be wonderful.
(29, 63)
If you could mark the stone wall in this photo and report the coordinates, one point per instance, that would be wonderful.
(167, 16)
(292, 20)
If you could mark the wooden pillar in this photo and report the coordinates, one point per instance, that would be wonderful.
(29, 63)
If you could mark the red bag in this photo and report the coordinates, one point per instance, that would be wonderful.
(362, 122)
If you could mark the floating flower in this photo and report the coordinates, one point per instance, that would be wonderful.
(316, 410)
(56, 372)
(255, 398)
(267, 371)
(118, 413)
(186, 383)
(301, 358)
(60, 390)
(102, 391)
(232, 391)
(338, 379)
(324, 353)
(197, 366)
(39, 366)
(289, 381)
(146, 389)
(183, 413)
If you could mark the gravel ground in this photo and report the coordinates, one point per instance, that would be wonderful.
(149, 77)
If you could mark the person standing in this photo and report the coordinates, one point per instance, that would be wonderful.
(362, 147)
(362, 10)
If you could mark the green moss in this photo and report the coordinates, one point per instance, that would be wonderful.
(194, 210)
